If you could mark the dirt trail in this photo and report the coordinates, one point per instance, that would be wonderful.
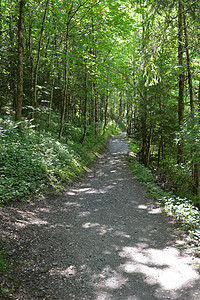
(105, 239)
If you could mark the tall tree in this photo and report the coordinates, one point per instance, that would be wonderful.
(180, 156)
(18, 111)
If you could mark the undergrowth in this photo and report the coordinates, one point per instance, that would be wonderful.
(31, 161)
(187, 215)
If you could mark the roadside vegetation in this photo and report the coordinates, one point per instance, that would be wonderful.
(33, 161)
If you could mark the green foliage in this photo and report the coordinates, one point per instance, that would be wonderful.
(179, 176)
(187, 215)
(30, 161)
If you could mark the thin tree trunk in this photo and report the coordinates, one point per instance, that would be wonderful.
(12, 61)
(38, 62)
(180, 152)
(149, 147)
(120, 111)
(65, 91)
(50, 104)
(105, 112)
(19, 102)
(188, 67)
(195, 165)
(160, 149)
(30, 47)
(129, 116)
(96, 118)
(86, 100)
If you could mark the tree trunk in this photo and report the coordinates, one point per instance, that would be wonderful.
(65, 91)
(30, 49)
(19, 102)
(199, 99)
(129, 116)
(38, 61)
(105, 112)
(12, 61)
(180, 154)
(96, 118)
(50, 104)
(149, 147)
(188, 67)
(120, 111)
(195, 165)
(86, 100)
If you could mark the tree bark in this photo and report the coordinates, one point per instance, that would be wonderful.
(105, 112)
(50, 104)
(65, 91)
(188, 67)
(86, 102)
(180, 154)
(120, 111)
(38, 62)
(12, 61)
(19, 102)
(195, 165)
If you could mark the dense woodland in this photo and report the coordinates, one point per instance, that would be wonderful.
(79, 65)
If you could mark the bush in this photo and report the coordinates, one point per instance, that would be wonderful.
(32, 161)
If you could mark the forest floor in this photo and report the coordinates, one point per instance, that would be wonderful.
(103, 239)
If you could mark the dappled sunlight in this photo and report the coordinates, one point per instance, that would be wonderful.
(33, 221)
(84, 214)
(152, 211)
(29, 218)
(122, 234)
(68, 204)
(155, 211)
(110, 279)
(166, 267)
(90, 225)
(104, 239)
(142, 206)
(100, 229)
(69, 272)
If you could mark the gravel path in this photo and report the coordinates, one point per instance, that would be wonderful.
(105, 239)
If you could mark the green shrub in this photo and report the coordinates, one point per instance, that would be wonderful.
(31, 161)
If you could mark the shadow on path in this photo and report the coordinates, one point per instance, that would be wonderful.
(103, 240)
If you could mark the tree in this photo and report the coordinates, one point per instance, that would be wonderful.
(18, 111)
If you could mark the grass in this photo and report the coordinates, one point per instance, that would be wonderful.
(185, 212)
(31, 162)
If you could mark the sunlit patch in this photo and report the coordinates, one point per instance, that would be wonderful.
(46, 210)
(164, 267)
(81, 190)
(155, 211)
(71, 193)
(104, 229)
(103, 296)
(142, 207)
(35, 221)
(68, 272)
(122, 234)
(90, 225)
(109, 279)
(84, 214)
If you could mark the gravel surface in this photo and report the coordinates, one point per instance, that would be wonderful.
(104, 239)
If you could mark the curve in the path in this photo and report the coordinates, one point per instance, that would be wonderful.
(106, 240)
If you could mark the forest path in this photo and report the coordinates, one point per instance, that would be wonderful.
(104, 239)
